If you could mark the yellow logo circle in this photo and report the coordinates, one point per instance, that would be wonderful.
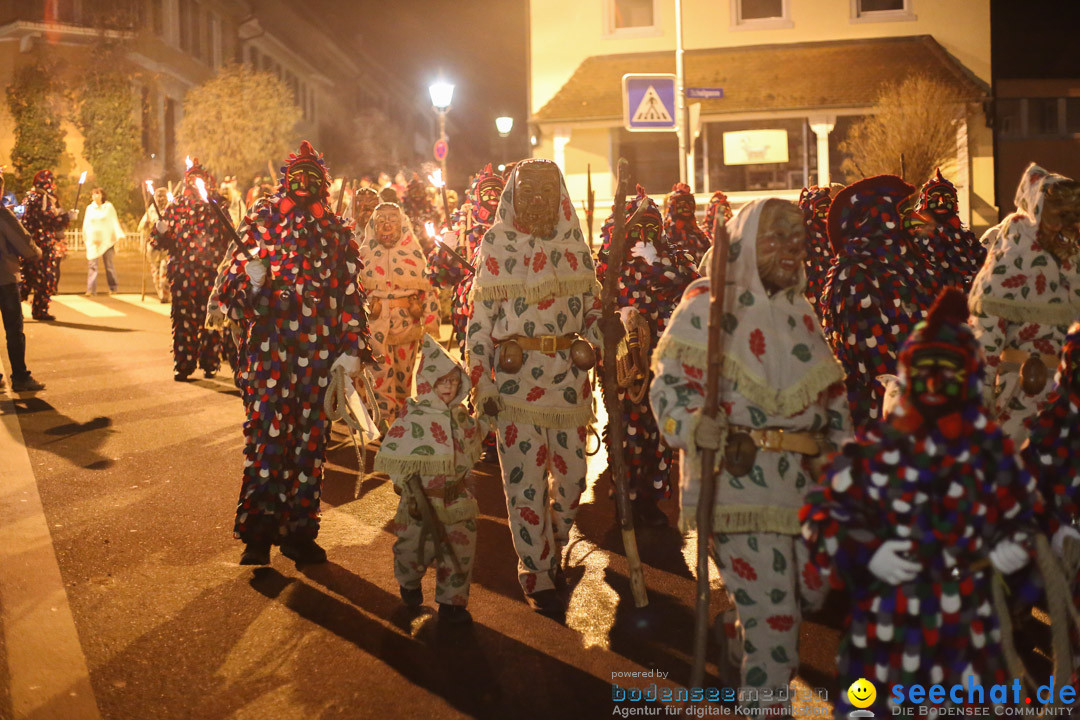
(862, 693)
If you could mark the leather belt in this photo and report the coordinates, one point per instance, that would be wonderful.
(401, 302)
(547, 344)
(1018, 356)
(780, 440)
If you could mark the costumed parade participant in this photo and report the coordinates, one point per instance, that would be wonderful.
(534, 297)
(680, 222)
(910, 514)
(783, 409)
(419, 208)
(475, 218)
(1026, 296)
(402, 305)
(436, 517)
(653, 277)
(717, 203)
(158, 259)
(196, 241)
(954, 252)
(871, 298)
(364, 203)
(46, 221)
(303, 316)
(814, 202)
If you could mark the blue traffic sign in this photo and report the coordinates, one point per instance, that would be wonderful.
(705, 93)
(649, 102)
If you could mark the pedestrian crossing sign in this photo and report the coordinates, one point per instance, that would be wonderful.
(649, 102)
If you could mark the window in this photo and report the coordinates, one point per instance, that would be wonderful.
(760, 14)
(631, 17)
(881, 10)
(1008, 117)
(748, 169)
(1042, 116)
(186, 13)
(1072, 116)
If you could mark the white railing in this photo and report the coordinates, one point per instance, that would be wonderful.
(132, 241)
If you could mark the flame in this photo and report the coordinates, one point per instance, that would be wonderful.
(430, 228)
(150, 186)
(202, 189)
(435, 178)
(169, 195)
(82, 178)
(188, 161)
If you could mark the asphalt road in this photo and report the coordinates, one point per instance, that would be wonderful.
(138, 478)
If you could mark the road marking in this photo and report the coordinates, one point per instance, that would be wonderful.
(86, 306)
(26, 312)
(45, 661)
(151, 302)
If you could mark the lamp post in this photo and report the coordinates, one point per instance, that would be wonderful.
(441, 93)
(504, 125)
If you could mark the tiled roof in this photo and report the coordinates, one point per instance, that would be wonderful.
(802, 76)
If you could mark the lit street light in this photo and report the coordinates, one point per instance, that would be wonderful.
(504, 125)
(442, 93)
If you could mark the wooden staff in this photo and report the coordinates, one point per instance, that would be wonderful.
(616, 429)
(717, 285)
(590, 202)
(340, 197)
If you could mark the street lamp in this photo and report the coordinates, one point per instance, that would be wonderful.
(504, 125)
(442, 93)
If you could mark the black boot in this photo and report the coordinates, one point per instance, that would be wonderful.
(454, 614)
(547, 603)
(412, 597)
(303, 551)
(256, 553)
(647, 513)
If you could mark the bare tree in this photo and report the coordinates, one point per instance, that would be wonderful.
(915, 120)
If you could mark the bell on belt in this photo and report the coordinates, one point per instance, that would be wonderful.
(740, 454)
(1033, 375)
(416, 309)
(375, 310)
(582, 354)
(511, 356)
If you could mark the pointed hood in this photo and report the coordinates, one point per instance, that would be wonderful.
(718, 202)
(511, 264)
(486, 179)
(422, 440)
(864, 219)
(306, 156)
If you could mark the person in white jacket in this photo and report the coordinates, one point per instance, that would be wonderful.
(101, 232)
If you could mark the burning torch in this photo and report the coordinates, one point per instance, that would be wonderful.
(431, 233)
(436, 179)
(223, 219)
(78, 192)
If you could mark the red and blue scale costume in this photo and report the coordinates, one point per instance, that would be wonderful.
(654, 289)
(45, 221)
(680, 226)
(717, 203)
(196, 242)
(952, 251)
(814, 202)
(871, 299)
(309, 311)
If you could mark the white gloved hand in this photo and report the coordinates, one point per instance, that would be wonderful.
(624, 314)
(888, 565)
(1065, 532)
(73, 215)
(1009, 556)
(645, 251)
(349, 363)
(710, 431)
(161, 226)
(256, 271)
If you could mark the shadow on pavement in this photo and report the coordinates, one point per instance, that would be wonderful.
(46, 429)
(84, 326)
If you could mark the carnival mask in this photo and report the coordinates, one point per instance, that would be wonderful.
(937, 382)
(488, 191)
(416, 192)
(305, 183)
(941, 202)
(821, 208)
(683, 206)
(387, 226)
(647, 230)
(537, 190)
(1059, 223)
(366, 202)
(781, 245)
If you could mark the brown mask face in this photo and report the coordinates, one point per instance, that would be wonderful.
(388, 226)
(781, 245)
(684, 207)
(1059, 223)
(536, 198)
(366, 201)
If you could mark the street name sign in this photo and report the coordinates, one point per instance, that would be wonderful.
(705, 93)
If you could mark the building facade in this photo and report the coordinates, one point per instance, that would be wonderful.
(806, 71)
(175, 45)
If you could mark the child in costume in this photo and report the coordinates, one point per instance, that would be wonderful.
(783, 409)
(915, 517)
(428, 452)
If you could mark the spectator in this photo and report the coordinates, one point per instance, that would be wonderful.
(14, 242)
(101, 232)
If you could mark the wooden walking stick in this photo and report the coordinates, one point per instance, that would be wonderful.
(717, 285)
(616, 429)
